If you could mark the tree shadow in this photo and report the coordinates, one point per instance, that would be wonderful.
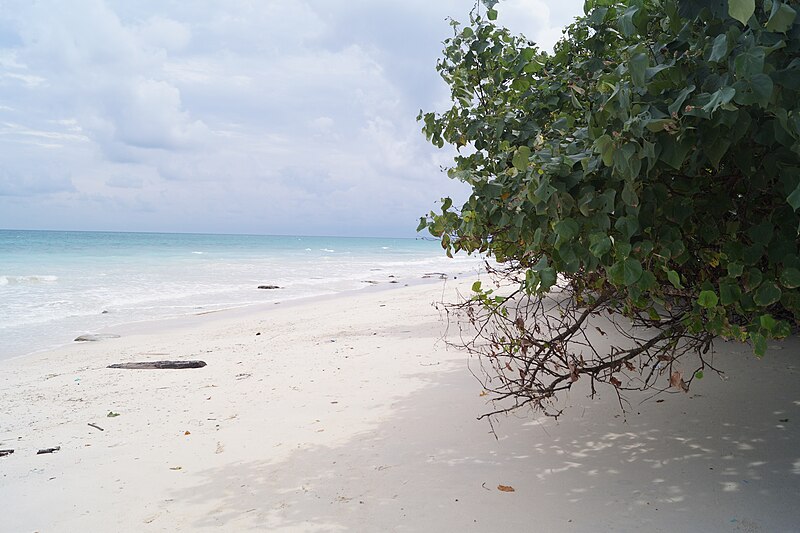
(719, 459)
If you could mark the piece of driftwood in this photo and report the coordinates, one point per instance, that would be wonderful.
(96, 337)
(95, 426)
(48, 450)
(3, 453)
(159, 365)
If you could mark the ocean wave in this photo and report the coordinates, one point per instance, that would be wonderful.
(327, 250)
(16, 280)
(199, 253)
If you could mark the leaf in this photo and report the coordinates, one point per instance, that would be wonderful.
(491, 14)
(719, 98)
(767, 322)
(781, 18)
(520, 159)
(629, 196)
(676, 380)
(637, 66)
(187, 432)
(112, 414)
(767, 294)
(632, 271)
(729, 293)
(505, 488)
(674, 278)
(566, 229)
(720, 49)
(741, 10)
(604, 145)
(476, 287)
(707, 299)
(794, 198)
(790, 278)
(600, 245)
(759, 344)
(614, 381)
(699, 374)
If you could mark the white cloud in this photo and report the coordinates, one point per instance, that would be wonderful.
(265, 117)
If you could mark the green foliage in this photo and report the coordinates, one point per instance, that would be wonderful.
(655, 154)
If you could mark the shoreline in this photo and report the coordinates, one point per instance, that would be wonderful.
(241, 309)
(354, 414)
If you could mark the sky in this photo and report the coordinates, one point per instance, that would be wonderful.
(243, 116)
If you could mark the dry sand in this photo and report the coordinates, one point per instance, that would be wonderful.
(351, 414)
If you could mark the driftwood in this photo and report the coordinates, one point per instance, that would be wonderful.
(48, 450)
(3, 453)
(159, 365)
(96, 337)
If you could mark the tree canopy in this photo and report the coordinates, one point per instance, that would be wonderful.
(649, 168)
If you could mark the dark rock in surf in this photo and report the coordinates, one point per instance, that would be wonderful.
(268, 287)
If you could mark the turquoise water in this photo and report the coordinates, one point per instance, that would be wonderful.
(56, 285)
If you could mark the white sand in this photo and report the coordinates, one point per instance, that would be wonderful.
(350, 414)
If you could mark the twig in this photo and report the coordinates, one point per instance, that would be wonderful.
(96, 426)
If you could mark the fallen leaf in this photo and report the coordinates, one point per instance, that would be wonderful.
(614, 381)
(629, 366)
(483, 393)
(505, 488)
(187, 433)
(676, 380)
(112, 414)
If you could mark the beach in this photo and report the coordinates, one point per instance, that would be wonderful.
(352, 413)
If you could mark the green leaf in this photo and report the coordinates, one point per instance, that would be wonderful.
(548, 277)
(699, 374)
(749, 63)
(659, 124)
(794, 198)
(735, 269)
(707, 299)
(781, 18)
(566, 229)
(631, 271)
(790, 278)
(520, 159)
(629, 195)
(600, 245)
(729, 293)
(446, 204)
(676, 105)
(767, 322)
(637, 66)
(741, 10)
(767, 294)
(604, 145)
(719, 98)
(719, 50)
(491, 14)
(759, 344)
(755, 90)
(476, 287)
(674, 278)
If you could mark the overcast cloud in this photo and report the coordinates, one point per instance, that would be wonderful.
(229, 117)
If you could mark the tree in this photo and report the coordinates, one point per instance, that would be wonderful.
(646, 175)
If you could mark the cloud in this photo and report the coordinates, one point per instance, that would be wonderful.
(259, 117)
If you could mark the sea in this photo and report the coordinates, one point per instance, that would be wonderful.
(57, 285)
